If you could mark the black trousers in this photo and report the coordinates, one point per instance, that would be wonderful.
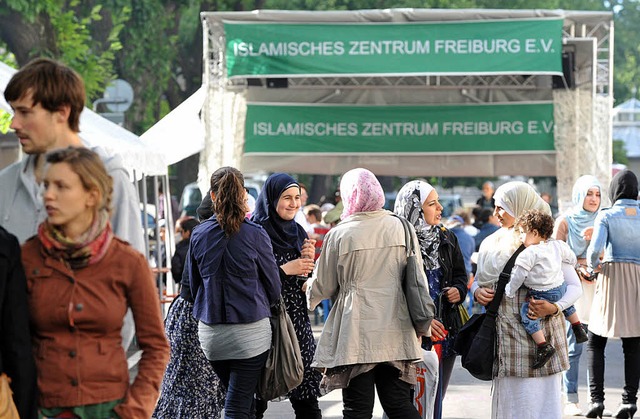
(595, 359)
(394, 394)
(303, 409)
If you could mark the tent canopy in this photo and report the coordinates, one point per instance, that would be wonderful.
(180, 133)
(98, 131)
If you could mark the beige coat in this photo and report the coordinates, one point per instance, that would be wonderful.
(360, 267)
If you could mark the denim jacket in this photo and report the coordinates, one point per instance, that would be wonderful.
(616, 231)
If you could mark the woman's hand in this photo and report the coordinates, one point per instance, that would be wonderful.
(452, 294)
(438, 332)
(541, 308)
(484, 295)
(308, 249)
(587, 233)
(300, 266)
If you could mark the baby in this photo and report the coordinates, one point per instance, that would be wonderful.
(538, 268)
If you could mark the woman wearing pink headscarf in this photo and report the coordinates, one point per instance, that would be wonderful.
(368, 339)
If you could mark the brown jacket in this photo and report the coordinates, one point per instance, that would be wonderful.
(76, 319)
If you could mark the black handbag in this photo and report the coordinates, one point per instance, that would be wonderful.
(415, 287)
(476, 340)
(452, 315)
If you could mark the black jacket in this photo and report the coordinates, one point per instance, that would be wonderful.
(452, 264)
(177, 261)
(16, 355)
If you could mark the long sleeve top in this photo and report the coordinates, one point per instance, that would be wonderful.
(77, 317)
(232, 279)
(616, 231)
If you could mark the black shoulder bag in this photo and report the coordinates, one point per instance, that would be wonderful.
(476, 340)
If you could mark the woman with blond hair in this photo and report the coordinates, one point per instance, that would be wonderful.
(81, 279)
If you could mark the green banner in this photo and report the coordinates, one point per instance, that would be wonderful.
(524, 46)
(274, 128)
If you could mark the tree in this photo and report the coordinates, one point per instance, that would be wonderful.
(61, 30)
(620, 152)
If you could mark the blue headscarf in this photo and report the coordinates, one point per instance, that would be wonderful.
(578, 218)
(285, 235)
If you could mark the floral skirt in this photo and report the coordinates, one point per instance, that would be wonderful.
(190, 388)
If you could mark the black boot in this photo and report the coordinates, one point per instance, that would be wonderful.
(306, 408)
(544, 353)
(580, 333)
(626, 410)
(595, 410)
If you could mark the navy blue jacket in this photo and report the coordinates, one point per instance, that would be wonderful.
(233, 280)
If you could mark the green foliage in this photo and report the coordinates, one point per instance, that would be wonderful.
(7, 56)
(620, 152)
(68, 24)
(5, 121)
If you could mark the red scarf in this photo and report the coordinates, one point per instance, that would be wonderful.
(86, 250)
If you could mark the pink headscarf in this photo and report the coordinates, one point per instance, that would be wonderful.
(360, 192)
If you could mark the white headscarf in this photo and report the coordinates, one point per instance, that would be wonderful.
(515, 198)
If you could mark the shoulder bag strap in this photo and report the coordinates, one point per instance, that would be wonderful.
(408, 238)
(505, 276)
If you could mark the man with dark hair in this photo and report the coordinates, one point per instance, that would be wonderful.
(47, 98)
(300, 217)
(486, 201)
(184, 227)
(487, 224)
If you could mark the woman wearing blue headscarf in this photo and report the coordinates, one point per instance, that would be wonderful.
(276, 208)
(576, 227)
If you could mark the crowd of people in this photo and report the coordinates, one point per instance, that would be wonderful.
(75, 286)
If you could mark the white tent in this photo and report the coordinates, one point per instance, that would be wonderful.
(98, 131)
(180, 133)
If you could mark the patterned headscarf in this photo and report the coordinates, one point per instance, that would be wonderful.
(360, 191)
(578, 219)
(409, 205)
(285, 235)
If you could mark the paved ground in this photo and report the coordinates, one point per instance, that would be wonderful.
(468, 398)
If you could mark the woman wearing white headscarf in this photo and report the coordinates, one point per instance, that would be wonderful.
(368, 339)
(576, 227)
(518, 387)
